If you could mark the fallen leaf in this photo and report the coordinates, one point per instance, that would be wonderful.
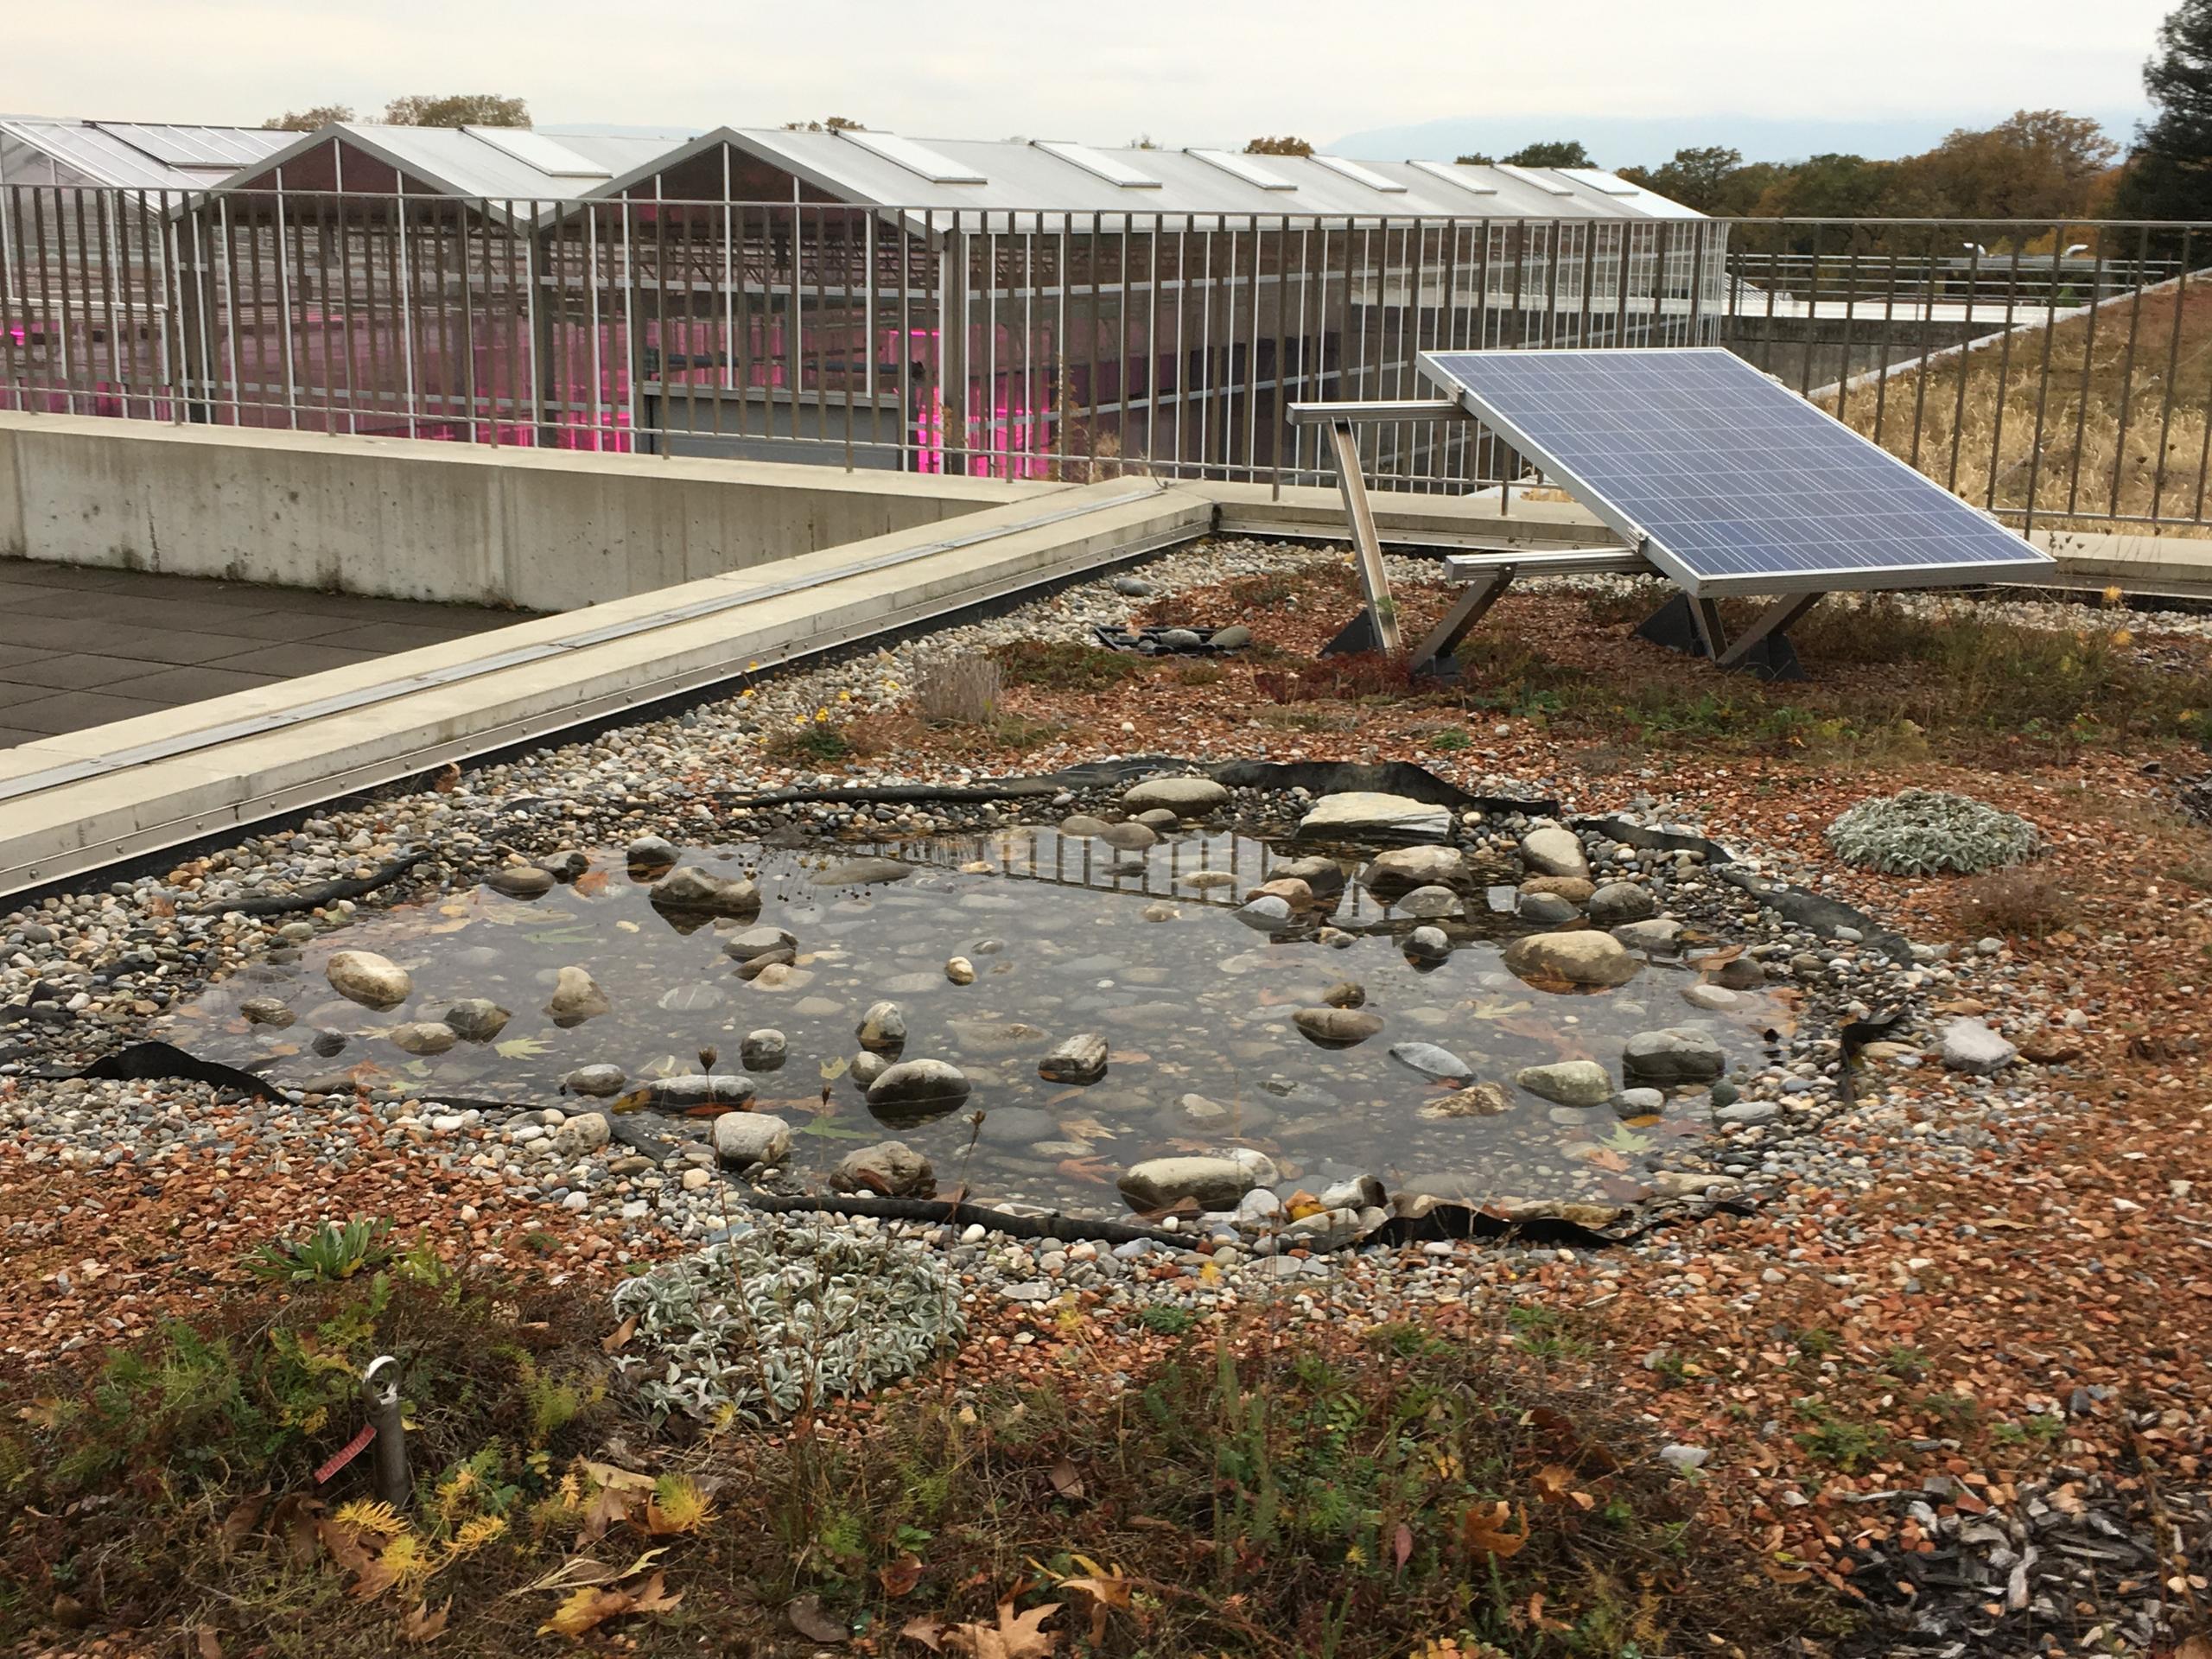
(615, 1340)
(587, 1609)
(899, 1577)
(815, 1622)
(238, 1524)
(1401, 1547)
(1016, 1636)
(211, 1645)
(425, 1623)
(1108, 1588)
(1065, 1481)
(929, 1631)
(1481, 1531)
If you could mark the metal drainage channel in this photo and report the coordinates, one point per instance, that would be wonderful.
(389, 690)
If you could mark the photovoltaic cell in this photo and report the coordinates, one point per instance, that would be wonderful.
(1733, 483)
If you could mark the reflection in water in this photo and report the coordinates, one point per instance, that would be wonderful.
(1066, 936)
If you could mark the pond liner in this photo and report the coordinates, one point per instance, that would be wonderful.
(154, 1062)
(329, 893)
(1809, 909)
(1315, 777)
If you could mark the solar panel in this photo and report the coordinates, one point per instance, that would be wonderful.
(1729, 482)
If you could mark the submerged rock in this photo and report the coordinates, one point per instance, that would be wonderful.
(700, 893)
(423, 1036)
(1677, 1054)
(650, 853)
(1478, 1100)
(521, 881)
(913, 1088)
(1567, 1083)
(862, 873)
(1587, 957)
(600, 1081)
(1080, 1058)
(266, 1011)
(1270, 912)
(477, 1018)
(1080, 826)
(1546, 909)
(1321, 875)
(576, 997)
(758, 942)
(1661, 937)
(1426, 944)
(1430, 903)
(882, 1029)
(1344, 994)
(1338, 1028)
(742, 1139)
(765, 1049)
(960, 971)
(1211, 1183)
(1130, 837)
(1403, 868)
(890, 1168)
(1438, 1064)
(372, 981)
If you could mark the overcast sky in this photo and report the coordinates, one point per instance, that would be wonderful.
(1184, 72)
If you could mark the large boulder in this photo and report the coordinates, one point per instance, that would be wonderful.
(1549, 849)
(890, 1168)
(1403, 868)
(1584, 957)
(746, 1138)
(1567, 1083)
(1184, 797)
(372, 981)
(1364, 814)
(699, 893)
(1211, 1183)
(1677, 1054)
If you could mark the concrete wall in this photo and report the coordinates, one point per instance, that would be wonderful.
(545, 530)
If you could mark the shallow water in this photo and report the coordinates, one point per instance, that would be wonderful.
(1197, 1004)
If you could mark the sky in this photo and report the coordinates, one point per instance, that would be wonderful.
(1889, 75)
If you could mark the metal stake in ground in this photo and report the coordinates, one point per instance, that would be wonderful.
(393, 1486)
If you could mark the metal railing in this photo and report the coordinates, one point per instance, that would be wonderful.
(2049, 373)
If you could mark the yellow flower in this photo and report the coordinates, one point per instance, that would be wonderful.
(745, 694)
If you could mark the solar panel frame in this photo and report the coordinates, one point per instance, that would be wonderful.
(1877, 470)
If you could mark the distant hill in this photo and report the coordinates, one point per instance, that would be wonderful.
(1624, 141)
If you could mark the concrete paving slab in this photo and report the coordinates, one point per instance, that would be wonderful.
(171, 686)
(68, 671)
(303, 656)
(72, 711)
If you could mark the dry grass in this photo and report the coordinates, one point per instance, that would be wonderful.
(2068, 414)
(958, 690)
(2022, 904)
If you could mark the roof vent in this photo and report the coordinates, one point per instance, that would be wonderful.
(917, 159)
(1358, 175)
(1471, 183)
(1100, 164)
(1244, 167)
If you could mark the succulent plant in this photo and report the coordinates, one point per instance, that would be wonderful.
(792, 1309)
(1929, 832)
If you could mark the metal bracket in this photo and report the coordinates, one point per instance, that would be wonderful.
(1367, 546)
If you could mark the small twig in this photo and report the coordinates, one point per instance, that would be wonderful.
(329, 893)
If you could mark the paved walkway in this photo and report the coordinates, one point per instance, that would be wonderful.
(82, 647)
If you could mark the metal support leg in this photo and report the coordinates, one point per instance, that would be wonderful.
(1368, 547)
(1459, 621)
(1706, 613)
(1762, 648)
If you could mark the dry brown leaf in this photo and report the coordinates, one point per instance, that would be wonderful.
(615, 1340)
(1481, 1531)
(1107, 1587)
(211, 1645)
(899, 1577)
(425, 1623)
(371, 1577)
(1065, 1481)
(815, 1622)
(2194, 1647)
(1016, 1636)
(587, 1608)
(925, 1630)
(238, 1524)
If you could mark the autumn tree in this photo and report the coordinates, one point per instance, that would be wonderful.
(2170, 171)
(835, 123)
(313, 118)
(2038, 164)
(1283, 146)
(1713, 179)
(457, 110)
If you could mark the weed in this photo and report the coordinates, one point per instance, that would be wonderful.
(1200, 673)
(1906, 1364)
(1060, 665)
(1165, 1319)
(332, 1252)
(1849, 1447)
(2021, 903)
(815, 740)
(1448, 740)
(958, 690)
